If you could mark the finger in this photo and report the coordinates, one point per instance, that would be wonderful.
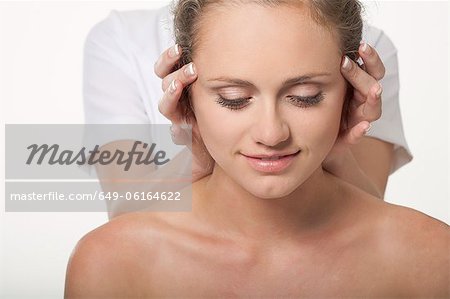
(167, 61)
(181, 134)
(371, 109)
(186, 75)
(359, 97)
(189, 135)
(354, 134)
(372, 61)
(358, 78)
(169, 102)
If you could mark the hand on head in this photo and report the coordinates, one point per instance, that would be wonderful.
(173, 84)
(364, 106)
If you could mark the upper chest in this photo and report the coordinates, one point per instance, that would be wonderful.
(212, 271)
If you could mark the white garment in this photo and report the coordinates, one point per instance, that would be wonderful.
(120, 86)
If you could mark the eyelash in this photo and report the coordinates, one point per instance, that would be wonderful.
(240, 103)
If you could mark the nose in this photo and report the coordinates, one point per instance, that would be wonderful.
(270, 128)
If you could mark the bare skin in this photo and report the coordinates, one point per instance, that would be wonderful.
(373, 251)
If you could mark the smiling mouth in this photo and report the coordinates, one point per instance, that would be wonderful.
(271, 157)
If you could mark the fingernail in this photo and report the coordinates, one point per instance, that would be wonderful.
(346, 64)
(186, 126)
(367, 129)
(360, 61)
(175, 129)
(365, 48)
(190, 70)
(174, 51)
(177, 49)
(173, 86)
(379, 91)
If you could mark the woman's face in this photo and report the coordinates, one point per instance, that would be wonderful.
(269, 84)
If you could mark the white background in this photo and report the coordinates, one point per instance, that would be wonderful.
(40, 82)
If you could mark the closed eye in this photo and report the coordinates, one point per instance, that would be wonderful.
(233, 104)
(305, 102)
(299, 101)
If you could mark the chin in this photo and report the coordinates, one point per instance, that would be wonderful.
(272, 187)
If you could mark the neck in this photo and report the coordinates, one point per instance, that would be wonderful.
(232, 210)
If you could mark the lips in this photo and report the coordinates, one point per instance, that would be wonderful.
(272, 156)
(271, 163)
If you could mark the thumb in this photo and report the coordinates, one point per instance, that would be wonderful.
(354, 135)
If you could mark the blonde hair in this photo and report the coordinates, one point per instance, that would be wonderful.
(340, 17)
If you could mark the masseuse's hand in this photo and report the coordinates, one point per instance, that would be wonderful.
(364, 108)
(173, 84)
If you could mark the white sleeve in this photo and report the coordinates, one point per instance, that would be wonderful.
(110, 91)
(389, 127)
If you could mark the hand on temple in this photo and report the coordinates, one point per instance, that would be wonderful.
(183, 130)
(364, 107)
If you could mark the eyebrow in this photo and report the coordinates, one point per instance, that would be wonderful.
(288, 82)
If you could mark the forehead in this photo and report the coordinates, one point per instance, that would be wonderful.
(259, 38)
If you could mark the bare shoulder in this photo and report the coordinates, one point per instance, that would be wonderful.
(419, 247)
(104, 262)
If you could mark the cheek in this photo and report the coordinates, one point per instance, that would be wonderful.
(217, 132)
(322, 123)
